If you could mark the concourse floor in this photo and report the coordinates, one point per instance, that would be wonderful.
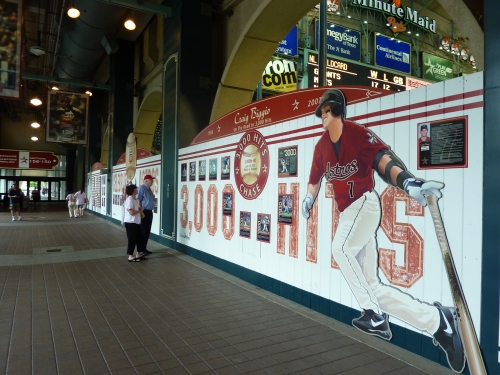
(70, 303)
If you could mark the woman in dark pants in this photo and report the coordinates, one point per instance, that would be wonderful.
(132, 220)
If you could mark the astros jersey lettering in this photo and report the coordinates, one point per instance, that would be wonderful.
(352, 172)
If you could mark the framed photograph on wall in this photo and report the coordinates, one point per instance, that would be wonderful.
(245, 224)
(192, 171)
(202, 170)
(264, 228)
(183, 171)
(212, 169)
(285, 209)
(287, 161)
(67, 117)
(225, 167)
(227, 203)
(11, 33)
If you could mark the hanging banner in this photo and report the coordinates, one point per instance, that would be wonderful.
(280, 75)
(11, 51)
(290, 44)
(436, 68)
(67, 117)
(341, 42)
(392, 53)
(23, 159)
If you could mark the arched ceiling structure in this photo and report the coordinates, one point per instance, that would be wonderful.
(255, 28)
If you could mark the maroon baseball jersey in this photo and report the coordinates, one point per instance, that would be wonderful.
(352, 173)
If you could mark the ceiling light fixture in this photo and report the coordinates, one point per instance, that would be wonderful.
(129, 24)
(88, 92)
(35, 125)
(73, 12)
(34, 138)
(54, 88)
(365, 21)
(35, 101)
(417, 34)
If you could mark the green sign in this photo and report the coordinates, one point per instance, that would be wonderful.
(436, 68)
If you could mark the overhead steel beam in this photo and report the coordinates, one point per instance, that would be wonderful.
(65, 81)
(142, 6)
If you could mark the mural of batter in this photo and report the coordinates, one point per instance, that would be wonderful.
(69, 118)
(347, 154)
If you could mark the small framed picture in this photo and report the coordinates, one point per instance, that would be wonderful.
(245, 224)
(287, 161)
(225, 167)
(212, 169)
(202, 170)
(285, 209)
(227, 203)
(264, 228)
(192, 171)
(183, 171)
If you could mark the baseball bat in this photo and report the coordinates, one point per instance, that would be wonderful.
(469, 338)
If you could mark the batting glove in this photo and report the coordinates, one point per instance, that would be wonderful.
(307, 203)
(420, 189)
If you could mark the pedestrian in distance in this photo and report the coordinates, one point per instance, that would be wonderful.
(81, 199)
(71, 204)
(15, 196)
(132, 220)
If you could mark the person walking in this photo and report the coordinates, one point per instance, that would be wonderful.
(15, 202)
(147, 200)
(132, 220)
(81, 199)
(71, 204)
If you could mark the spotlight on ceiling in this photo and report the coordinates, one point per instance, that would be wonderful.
(54, 88)
(35, 101)
(35, 125)
(129, 24)
(88, 92)
(73, 12)
(34, 138)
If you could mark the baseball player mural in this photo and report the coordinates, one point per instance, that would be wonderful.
(347, 154)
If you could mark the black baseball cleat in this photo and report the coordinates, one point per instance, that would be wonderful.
(373, 324)
(448, 337)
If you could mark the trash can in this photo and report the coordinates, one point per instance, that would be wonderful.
(25, 202)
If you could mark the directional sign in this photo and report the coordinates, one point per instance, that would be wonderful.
(15, 159)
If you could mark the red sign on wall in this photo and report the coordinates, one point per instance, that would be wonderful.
(14, 159)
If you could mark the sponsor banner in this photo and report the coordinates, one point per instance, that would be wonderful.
(392, 53)
(290, 44)
(280, 75)
(13, 159)
(341, 42)
(436, 68)
(11, 33)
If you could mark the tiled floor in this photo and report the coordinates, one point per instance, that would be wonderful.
(89, 311)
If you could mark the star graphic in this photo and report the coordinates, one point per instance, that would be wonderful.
(24, 159)
(425, 160)
(295, 105)
(237, 170)
(218, 128)
(371, 138)
(264, 168)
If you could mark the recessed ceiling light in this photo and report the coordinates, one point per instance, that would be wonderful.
(34, 138)
(35, 125)
(35, 101)
(129, 25)
(73, 12)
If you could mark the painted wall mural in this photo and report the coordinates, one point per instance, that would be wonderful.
(256, 217)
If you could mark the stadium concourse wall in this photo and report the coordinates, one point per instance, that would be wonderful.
(292, 256)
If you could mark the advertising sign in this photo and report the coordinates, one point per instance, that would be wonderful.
(280, 75)
(392, 53)
(14, 159)
(290, 44)
(341, 42)
(436, 68)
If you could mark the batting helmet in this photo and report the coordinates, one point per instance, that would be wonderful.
(337, 100)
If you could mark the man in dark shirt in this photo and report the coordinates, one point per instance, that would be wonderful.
(147, 199)
(15, 202)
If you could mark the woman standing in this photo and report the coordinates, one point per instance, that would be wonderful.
(71, 204)
(132, 220)
(81, 199)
